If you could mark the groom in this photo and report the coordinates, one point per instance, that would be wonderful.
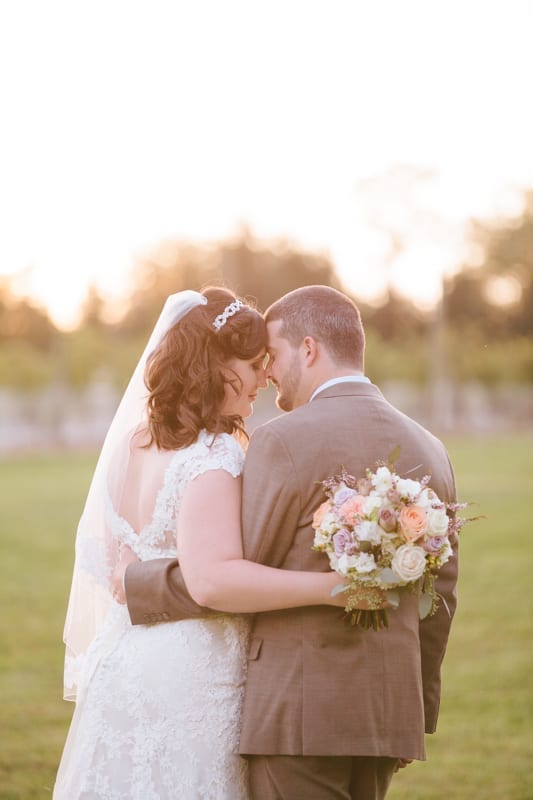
(330, 710)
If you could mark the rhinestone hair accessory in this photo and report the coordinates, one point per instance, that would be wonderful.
(229, 311)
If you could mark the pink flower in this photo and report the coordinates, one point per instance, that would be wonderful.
(393, 496)
(352, 509)
(413, 522)
(387, 519)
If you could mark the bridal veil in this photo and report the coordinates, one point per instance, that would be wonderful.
(97, 548)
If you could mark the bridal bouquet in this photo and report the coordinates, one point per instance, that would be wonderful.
(384, 532)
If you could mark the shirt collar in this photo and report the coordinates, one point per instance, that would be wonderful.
(343, 379)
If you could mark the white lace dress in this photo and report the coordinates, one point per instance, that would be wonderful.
(158, 711)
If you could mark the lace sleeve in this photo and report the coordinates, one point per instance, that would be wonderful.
(217, 452)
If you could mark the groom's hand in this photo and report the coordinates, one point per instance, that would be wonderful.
(402, 763)
(127, 557)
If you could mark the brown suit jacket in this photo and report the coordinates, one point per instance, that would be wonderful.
(316, 685)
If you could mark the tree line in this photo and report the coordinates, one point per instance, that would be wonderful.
(482, 330)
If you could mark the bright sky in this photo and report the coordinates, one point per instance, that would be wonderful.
(125, 122)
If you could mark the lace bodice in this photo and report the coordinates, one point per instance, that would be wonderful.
(158, 707)
(144, 485)
(157, 539)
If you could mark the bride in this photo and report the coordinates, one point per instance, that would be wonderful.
(157, 706)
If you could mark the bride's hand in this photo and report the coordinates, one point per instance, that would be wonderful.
(366, 598)
(127, 557)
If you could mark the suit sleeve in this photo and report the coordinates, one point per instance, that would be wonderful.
(271, 499)
(434, 631)
(156, 592)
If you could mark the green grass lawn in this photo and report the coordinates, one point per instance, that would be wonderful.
(484, 745)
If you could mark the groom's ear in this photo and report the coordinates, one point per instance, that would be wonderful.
(309, 350)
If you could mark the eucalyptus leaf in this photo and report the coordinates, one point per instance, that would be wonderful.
(394, 456)
(339, 589)
(388, 576)
(425, 604)
(393, 597)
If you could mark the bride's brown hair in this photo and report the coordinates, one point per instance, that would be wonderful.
(187, 373)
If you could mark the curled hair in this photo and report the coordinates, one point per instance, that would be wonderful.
(187, 373)
(325, 314)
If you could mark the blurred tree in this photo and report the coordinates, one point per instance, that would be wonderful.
(268, 272)
(93, 309)
(247, 267)
(396, 318)
(23, 320)
(172, 267)
(24, 367)
(496, 294)
(398, 206)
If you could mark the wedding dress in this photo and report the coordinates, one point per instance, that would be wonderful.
(158, 706)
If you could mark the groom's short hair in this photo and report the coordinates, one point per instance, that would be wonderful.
(328, 316)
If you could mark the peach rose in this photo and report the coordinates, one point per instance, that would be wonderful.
(413, 522)
(320, 513)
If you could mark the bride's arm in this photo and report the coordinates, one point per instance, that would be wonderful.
(211, 556)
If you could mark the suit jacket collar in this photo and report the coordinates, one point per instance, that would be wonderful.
(354, 389)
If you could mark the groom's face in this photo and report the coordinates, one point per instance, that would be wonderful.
(283, 369)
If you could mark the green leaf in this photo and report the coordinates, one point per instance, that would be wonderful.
(388, 576)
(394, 455)
(339, 589)
(393, 597)
(425, 605)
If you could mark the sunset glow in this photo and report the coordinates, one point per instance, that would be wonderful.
(130, 123)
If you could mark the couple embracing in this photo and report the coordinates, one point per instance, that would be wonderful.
(230, 673)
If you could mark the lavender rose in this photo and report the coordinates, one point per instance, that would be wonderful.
(342, 495)
(434, 544)
(342, 542)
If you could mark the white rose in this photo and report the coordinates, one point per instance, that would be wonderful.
(333, 562)
(368, 531)
(320, 538)
(408, 488)
(364, 562)
(345, 563)
(409, 562)
(427, 498)
(437, 520)
(329, 523)
(382, 480)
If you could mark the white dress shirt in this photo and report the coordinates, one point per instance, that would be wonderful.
(343, 379)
